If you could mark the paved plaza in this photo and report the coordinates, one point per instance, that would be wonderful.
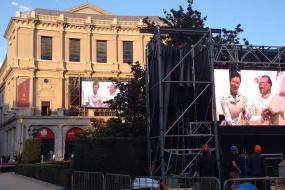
(12, 181)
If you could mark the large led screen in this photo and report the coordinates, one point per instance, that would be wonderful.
(94, 94)
(257, 98)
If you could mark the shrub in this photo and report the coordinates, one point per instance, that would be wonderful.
(7, 168)
(55, 174)
(111, 154)
(31, 151)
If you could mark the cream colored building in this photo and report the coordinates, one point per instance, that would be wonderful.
(47, 53)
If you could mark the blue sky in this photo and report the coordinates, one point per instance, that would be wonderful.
(262, 20)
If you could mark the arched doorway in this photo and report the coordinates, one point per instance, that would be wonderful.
(69, 142)
(46, 136)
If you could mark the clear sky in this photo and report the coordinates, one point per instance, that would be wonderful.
(262, 20)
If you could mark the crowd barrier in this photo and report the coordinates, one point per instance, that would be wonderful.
(118, 182)
(82, 180)
(260, 183)
(192, 183)
(98, 181)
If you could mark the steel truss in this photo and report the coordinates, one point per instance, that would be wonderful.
(249, 57)
(192, 136)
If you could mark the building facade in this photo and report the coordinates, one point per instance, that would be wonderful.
(48, 52)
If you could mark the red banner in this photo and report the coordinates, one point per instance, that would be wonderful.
(23, 92)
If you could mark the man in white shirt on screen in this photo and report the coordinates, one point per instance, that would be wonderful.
(261, 112)
(112, 91)
(95, 99)
(277, 104)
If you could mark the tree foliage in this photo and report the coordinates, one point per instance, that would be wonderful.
(230, 37)
(32, 151)
(129, 104)
(181, 19)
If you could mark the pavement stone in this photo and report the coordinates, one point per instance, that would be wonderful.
(12, 181)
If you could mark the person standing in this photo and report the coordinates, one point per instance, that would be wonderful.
(233, 165)
(207, 168)
(206, 163)
(235, 106)
(234, 170)
(256, 166)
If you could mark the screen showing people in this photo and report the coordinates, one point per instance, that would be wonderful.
(250, 97)
(94, 93)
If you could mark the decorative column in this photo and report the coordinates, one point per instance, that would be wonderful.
(10, 143)
(58, 150)
(89, 44)
(16, 56)
(34, 40)
(14, 141)
(61, 93)
(116, 46)
(5, 143)
(143, 50)
(62, 42)
(34, 91)
(18, 137)
(61, 69)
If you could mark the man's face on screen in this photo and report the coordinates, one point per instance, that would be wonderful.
(264, 86)
(95, 88)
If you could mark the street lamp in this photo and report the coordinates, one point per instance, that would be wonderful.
(32, 131)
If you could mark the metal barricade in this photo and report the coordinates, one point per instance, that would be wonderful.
(177, 183)
(118, 182)
(97, 181)
(82, 180)
(261, 183)
(192, 183)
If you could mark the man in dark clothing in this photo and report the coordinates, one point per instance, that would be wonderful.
(207, 168)
(256, 166)
(206, 163)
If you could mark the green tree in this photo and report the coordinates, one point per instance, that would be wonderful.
(32, 151)
(130, 103)
(181, 19)
(230, 37)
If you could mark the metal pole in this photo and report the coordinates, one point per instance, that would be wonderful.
(214, 115)
(161, 108)
(148, 112)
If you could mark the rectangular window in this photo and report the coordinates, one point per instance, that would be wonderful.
(128, 52)
(46, 108)
(46, 48)
(101, 51)
(74, 50)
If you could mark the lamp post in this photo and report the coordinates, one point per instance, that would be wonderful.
(32, 132)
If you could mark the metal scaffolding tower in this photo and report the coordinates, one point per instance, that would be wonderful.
(177, 145)
(174, 146)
